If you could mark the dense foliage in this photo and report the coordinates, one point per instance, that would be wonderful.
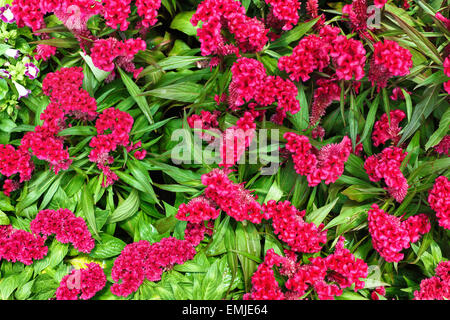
(224, 149)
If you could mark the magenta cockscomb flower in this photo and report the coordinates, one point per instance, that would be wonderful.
(437, 287)
(19, 245)
(107, 53)
(66, 227)
(439, 200)
(142, 260)
(325, 164)
(81, 283)
(326, 92)
(231, 197)
(389, 60)
(285, 11)
(290, 227)
(386, 165)
(383, 130)
(444, 146)
(197, 210)
(390, 235)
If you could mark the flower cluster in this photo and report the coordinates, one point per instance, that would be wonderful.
(232, 198)
(105, 53)
(249, 34)
(437, 287)
(357, 15)
(349, 57)
(236, 139)
(289, 224)
(197, 210)
(326, 92)
(265, 286)
(65, 226)
(326, 164)
(444, 146)
(22, 246)
(119, 123)
(251, 82)
(142, 260)
(379, 291)
(386, 165)
(285, 11)
(390, 235)
(447, 73)
(439, 200)
(387, 129)
(205, 121)
(149, 11)
(310, 54)
(87, 282)
(327, 276)
(389, 60)
(14, 161)
(116, 13)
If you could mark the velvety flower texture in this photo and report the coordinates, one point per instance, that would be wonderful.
(236, 139)
(358, 15)
(250, 82)
(378, 291)
(326, 276)
(390, 235)
(148, 9)
(206, 121)
(10, 186)
(437, 287)
(447, 73)
(66, 226)
(349, 57)
(119, 123)
(87, 282)
(14, 161)
(28, 13)
(286, 11)
(389, 60)
(444, 146)
(386, 165)
(290, 227)
(326, 164)
(327, 91)
(22, 246)
(265, 286)
(231, 197)
(105, 53)
(439, 200)
(142, 260)
(67, 98)
(116, 13)
(197, 210)
(309, 55)
(383, 131)
(249, 34)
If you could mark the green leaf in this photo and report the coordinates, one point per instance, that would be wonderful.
(99, 74)
(248, 242)
(294, 34)
(183, 91)
(108, 247)
(441, 132)
(126, 209)
(142, 177)
(317, 216)
(421, 112)
(135, 92)
(87, 206)
(182, 23)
